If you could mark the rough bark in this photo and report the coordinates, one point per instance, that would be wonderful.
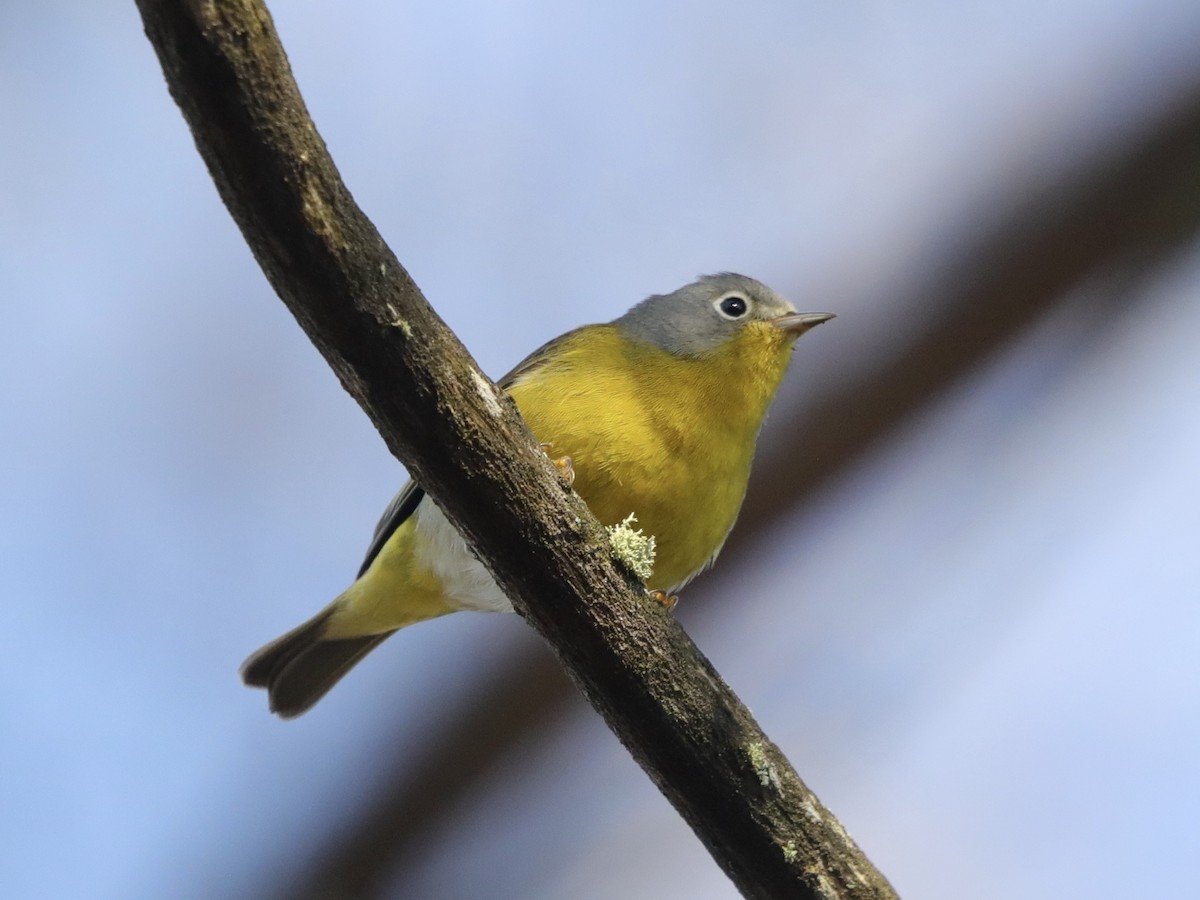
(462, 439)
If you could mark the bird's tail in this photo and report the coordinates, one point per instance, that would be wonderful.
(300, 667)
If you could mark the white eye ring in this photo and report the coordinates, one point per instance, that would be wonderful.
(732, 306)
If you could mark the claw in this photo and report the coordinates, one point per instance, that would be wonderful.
(668, 601)
(567, 468)
(563, 463)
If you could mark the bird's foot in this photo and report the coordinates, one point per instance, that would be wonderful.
(563, 463)
(667, 601)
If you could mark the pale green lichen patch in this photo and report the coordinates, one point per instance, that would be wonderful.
(762, 766)
(398, 321)
(790, 852)
(632, 547)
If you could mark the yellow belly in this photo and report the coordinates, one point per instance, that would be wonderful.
(665, 438)
(687, 500)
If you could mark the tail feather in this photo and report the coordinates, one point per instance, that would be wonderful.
(300, 667)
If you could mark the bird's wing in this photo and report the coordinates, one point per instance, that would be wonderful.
(405, 503)
(537, 358)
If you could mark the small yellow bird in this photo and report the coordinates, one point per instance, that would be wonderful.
(659, 412)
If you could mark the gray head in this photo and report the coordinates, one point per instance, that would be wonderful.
(702, 315)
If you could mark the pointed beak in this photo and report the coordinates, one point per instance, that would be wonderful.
(798, 323)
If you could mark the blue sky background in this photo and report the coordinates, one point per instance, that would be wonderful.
(978, 645)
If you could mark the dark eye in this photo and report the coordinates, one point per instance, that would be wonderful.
(733, 307)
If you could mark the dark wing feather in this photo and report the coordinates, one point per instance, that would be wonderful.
(403, 505)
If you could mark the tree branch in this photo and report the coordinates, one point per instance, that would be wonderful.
(463, 440)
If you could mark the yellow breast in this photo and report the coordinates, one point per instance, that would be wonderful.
(667, 438)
